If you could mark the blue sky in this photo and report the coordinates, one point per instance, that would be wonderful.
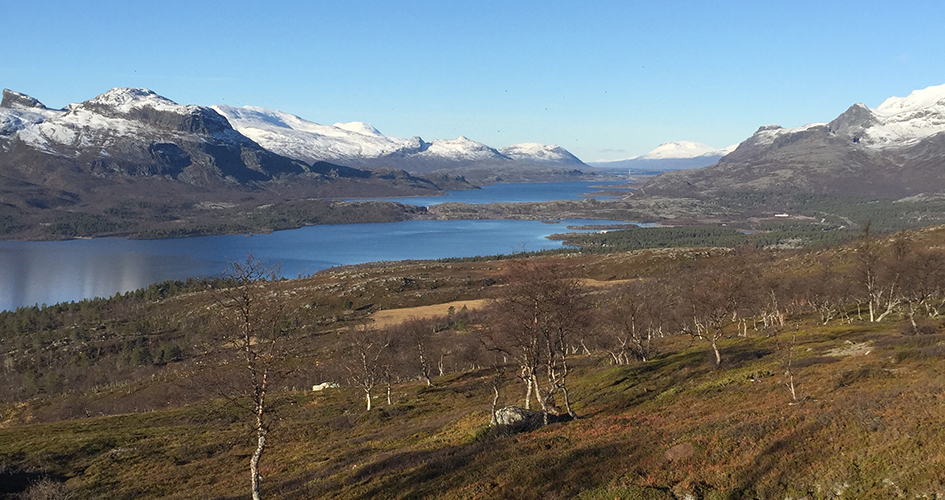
(606, 80)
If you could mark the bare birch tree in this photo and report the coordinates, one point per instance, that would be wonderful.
(628, 327)
(540, 317)
(254, 329)
(713, 297)
(365, 358)
(418, 333)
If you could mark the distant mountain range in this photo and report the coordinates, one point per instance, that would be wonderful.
(358, 144)
(670, 156)
(894, 150)
(133, 143)
(137, 132)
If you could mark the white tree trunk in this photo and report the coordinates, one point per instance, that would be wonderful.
(254, 462)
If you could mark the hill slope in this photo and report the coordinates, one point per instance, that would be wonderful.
(835, 408)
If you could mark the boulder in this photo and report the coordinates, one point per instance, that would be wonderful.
(519, 419)
(324, 385)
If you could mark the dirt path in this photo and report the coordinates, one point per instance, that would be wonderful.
(390, 317)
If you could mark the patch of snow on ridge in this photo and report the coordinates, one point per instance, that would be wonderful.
(769, 133)
(359, 128)
(14, 119)
(916, 100)
(906, 120)
(461, 148)
(531, 149)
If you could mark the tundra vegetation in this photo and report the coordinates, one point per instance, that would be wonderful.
(661, 373)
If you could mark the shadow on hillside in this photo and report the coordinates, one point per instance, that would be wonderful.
(14, 482)
(770, 461)
(392, 475)
(563, 473)
(636, 384)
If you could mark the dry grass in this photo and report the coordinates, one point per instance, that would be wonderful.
(393, 317)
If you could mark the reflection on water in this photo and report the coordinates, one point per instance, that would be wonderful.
(51, 272)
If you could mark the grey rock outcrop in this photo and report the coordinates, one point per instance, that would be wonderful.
(519, 419)
(12, 99)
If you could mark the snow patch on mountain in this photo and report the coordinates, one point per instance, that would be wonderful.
(917, 100)
(903, 121)
(360, 128)
(14, 119)
(767, 134)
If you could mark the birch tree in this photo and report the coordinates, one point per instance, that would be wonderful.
(255, 331)
(540, 317)
(366, 359)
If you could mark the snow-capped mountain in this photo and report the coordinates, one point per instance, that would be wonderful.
(678, 155)
(542, 154)
(134, 142)
(361, 145)
(895, 149)
(898, 122)
(132, 132)
(133, 145)
(291, 136)
(684, 150)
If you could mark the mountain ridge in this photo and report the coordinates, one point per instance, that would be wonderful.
(360, 144)
(894, 150)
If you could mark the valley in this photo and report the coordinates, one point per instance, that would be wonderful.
(768, 326)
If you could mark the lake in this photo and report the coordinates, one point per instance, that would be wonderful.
(62, 271)
(514, 192)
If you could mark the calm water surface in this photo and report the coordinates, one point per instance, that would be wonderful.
(61, 271)
(515, 192)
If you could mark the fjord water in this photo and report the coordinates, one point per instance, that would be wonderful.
(61, 271)
(514, 192)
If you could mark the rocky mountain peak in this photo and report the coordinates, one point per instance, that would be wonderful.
(853, 121)
(148, 107)
(124, 100)
(13, 99)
